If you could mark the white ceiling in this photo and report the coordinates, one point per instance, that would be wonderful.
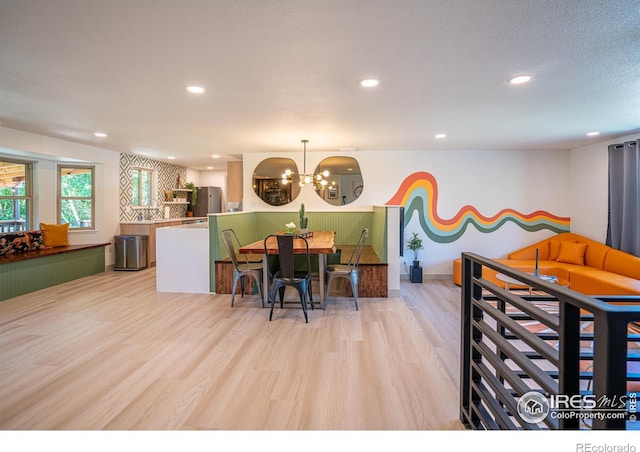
(278, 71)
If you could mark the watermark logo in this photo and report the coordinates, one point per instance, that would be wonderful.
(533, 407)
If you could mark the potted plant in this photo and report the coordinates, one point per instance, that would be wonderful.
(191, 197)
(414, 244)
(304, 221)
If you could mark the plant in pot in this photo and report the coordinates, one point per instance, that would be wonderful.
(192, 197)
(304, 221)
(414, 244)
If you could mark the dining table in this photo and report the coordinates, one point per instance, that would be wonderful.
(321, 243)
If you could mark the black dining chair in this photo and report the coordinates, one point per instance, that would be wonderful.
(241, 269)
(348, 271)
(288, 274)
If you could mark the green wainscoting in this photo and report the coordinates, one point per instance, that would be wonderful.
(252, 226)
(28, 275)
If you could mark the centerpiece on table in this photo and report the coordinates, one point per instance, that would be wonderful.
(304, 222)
(290, 228)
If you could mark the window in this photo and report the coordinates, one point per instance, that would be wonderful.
(76, 196)
(15, 195)
(142, 187)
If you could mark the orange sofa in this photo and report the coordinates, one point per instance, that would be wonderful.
(591, 267)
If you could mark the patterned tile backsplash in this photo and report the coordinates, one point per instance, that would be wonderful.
(167, 178)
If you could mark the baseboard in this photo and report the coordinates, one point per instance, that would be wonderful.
(438, 276)
(405, 276)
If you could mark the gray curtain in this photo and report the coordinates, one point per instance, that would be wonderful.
(623, 230)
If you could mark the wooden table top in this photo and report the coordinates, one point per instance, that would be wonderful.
(321, 242)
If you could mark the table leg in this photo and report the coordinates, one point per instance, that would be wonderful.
(265, 279)
(322, 264)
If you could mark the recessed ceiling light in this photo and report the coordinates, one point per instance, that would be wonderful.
(519, 79)
(441, 135)
(209, 167)
(593, 134)
(215, 156)
(171, 157)
(100, 134)
(195, 89)
(369, 82)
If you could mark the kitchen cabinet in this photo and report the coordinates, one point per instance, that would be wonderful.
(149, 227)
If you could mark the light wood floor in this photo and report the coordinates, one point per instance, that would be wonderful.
(109, 352)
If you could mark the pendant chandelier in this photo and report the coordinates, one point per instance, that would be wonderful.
(304, 177)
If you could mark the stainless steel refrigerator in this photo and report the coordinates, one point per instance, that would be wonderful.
(209, 201)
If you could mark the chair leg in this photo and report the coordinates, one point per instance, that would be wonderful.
(272, 301)
(303, 300)
(310, 292)
(354, 288)
(260, 289)
(233, 291)
(281, 292)
(327, 284)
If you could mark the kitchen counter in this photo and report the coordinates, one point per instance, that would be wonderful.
(149, 227)
(182, 259)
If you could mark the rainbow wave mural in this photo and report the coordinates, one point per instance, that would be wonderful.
(419, 193)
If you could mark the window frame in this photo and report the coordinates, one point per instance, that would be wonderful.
(152, 187)
(91, 198)
(28, 189)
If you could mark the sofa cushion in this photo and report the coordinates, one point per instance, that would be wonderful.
(554, 249)
(55, 234)
(622, 263)
(600, 282)
(572, 253)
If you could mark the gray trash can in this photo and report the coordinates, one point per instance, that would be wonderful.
(131, 252)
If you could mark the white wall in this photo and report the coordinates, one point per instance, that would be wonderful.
(47, 153)
(488, 180)
(565, 183)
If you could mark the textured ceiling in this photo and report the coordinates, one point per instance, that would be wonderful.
(278, 71)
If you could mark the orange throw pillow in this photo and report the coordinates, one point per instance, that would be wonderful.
(55, 234)
(572, 253)
(554, 248)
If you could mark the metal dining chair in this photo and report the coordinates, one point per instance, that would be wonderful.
(348, 271)
(288, 275)
(241, 269)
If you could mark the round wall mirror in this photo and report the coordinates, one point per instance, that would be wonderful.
(276, 181)
(338, 180)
